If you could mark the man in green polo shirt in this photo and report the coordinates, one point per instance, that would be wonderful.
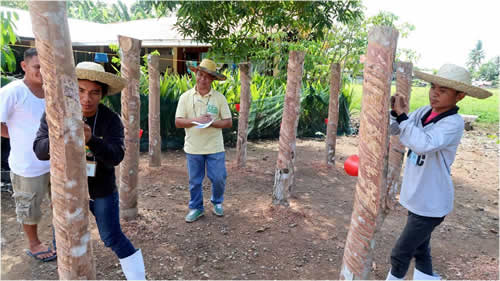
(203, 113)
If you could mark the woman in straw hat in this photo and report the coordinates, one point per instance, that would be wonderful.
(104, 135)
(432, 134)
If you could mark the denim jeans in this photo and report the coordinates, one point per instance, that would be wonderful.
(106, 211)
(215, 165)
(414, 242)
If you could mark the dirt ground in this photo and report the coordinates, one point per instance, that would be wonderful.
(255, 240)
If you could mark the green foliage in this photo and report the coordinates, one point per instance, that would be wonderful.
(95, 11)
(244, 30)
(7, 36)
(23, 5)
(485, 109)
(267, 108)
(490, 71)
(344, 43)
(98, 10)
(265, 113)
(4, 80)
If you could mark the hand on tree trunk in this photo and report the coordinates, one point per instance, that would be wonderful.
(398, 104)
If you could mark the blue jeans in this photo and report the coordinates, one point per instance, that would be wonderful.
(106, 211)
(216, 171)
(414, 242)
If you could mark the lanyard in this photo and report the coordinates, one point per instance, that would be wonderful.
(206, 104)
(95, 121)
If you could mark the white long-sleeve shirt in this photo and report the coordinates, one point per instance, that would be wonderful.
(427, 188)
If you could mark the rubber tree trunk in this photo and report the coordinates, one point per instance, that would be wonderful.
(373, 150)
(131, 104)
(245, 102)
(68, 177)
(396, 149)
(154, 111)
(333, 114)
(285, 170)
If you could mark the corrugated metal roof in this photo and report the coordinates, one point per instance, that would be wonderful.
(153, 32)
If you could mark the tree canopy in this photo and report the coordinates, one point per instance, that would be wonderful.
(98, 10)
(7, 36)
(476, 56)
(242, 29)
(490, 71)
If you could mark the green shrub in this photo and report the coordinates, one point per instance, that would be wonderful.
(485, 109)
(265, 112)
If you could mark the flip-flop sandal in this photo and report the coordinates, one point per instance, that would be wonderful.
(54, 239)
(36, 255)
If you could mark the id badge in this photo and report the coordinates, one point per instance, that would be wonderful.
(91, 166)
(413, 158)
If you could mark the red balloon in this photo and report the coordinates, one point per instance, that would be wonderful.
(326, 121)
(140, 133)
(351, 165)
(237, 105)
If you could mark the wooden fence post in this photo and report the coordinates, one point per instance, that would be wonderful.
(333, 113)
(373, 144)
(245, 102)
(154, 111)
(131, 114)
(68, 177)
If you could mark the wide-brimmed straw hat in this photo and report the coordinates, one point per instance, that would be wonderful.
(209, 67)
(87, 70)
(454, 77)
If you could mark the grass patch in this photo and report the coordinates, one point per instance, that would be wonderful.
(486, 109)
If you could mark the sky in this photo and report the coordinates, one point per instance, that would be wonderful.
(445, 30)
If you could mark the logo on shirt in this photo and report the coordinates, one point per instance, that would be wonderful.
(212, 109)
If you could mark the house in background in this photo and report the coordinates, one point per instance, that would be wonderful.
(90, 38)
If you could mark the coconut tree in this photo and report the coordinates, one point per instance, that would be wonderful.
(476, 56)
(64, 117)
(154, 111)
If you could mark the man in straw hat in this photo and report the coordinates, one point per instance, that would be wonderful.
(22, 104)
(104, 135)
(432, 134)
(204, 112)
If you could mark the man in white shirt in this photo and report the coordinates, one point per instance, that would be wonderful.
(21, 107)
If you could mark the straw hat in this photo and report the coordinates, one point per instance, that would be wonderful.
(209, 67)
(454, 77)
(87, 70)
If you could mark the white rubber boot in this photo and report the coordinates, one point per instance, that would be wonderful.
(419, 275)
(392, 277)
(133, 266)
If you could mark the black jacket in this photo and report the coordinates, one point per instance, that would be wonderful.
(106, 145)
